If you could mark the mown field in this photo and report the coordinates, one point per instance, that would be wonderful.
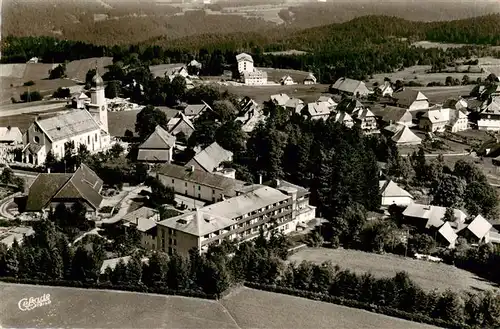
(426, 274)
(243, 308)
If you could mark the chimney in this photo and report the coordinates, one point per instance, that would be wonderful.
(260, 179)
(192, 168)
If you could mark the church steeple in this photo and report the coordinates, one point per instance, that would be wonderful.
(97, 81)
(98, 106)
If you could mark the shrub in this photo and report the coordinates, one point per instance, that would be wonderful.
(29, 83)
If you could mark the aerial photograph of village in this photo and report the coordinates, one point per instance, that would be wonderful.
(291, 164)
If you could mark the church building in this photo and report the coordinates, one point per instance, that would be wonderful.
(87, 127)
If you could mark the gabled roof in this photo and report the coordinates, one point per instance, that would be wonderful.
(280, 99)
(439, 115)
(81, 96)
(310, 77)
(433, 214)
(493, 107)
(68, 125)
(159, 139)
(348, 85)
(447, 232)
(144, 218)
(407, 96)
(391, 189)
(211, 157)
(327, 99)
(406, 136)
(383, 88)
(196, 109)
(177, 120)
(10, 134)
(479, 227)
(342, 116)
(294, 103)
(286, 77)
(363, 113)
(244, 56)
(318, 109)
(200, 177)
(83, 184)
(391, 113)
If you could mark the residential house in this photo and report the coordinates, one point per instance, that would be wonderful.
(11, 139)
(176, 71)
(144, 220)
(254, 78)
(327, 99)
(10, 234)
(392, 115)
(82, 127)
(80, 101)
(446, 235)
(343, 118)
(317, 110)
(180, 124)
(158, 147)
(403, 136)
(50, 189)
(411, 99)
(280, 99)
(441, 119)
(250, 114)
(239, 218)
(490, 116)
(294, 105)
(310, 79)
(392, 194)
(458, 104)
(427, 216)
(245, 63)
(366, 119)
(477, 231)
(196, 183)
(386, 89)
(286, 80)
(194, 111)
(350, 87)
(210, 159)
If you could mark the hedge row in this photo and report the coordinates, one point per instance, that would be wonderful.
(415, 317)
(109, 286)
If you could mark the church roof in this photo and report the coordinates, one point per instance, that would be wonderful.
(67, 125)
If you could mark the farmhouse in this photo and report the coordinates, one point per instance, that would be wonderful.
(317, 110)
(477, 231)
(294, 105)
(82, 127)
(196, 183)
(180, 124)
(427, 216)
(392, 194)
(405, 137)
(286, 80)
(490, 116)
(393, 115)
(279, 99)
(144, 220)
(239, 218)
(350, 87)
(48, 190)
(386, 89)
(366, 119)
(411, 99)
(210, 158)
(443, 118)
(343, 118)
(158, 147)
(194, 111)
(11, 138)
(310, 79)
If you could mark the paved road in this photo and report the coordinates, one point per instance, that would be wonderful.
(124, 204)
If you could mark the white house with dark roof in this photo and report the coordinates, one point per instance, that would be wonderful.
(239, 218)
(210, 158)
(386, 89)
(82, 127)
(350, 87)
(441, 119)
(158, 147)
(490, 116)
(366, 119)
(392, 194)
(287, 80)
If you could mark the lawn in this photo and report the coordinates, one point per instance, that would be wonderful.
(276, 74)
(308, 93)
(119, 122)
(426, 274)
(243, 308)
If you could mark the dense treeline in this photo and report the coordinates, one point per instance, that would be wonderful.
(48, 256)
(358, 48)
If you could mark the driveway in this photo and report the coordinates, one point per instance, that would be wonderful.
(124, 205)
